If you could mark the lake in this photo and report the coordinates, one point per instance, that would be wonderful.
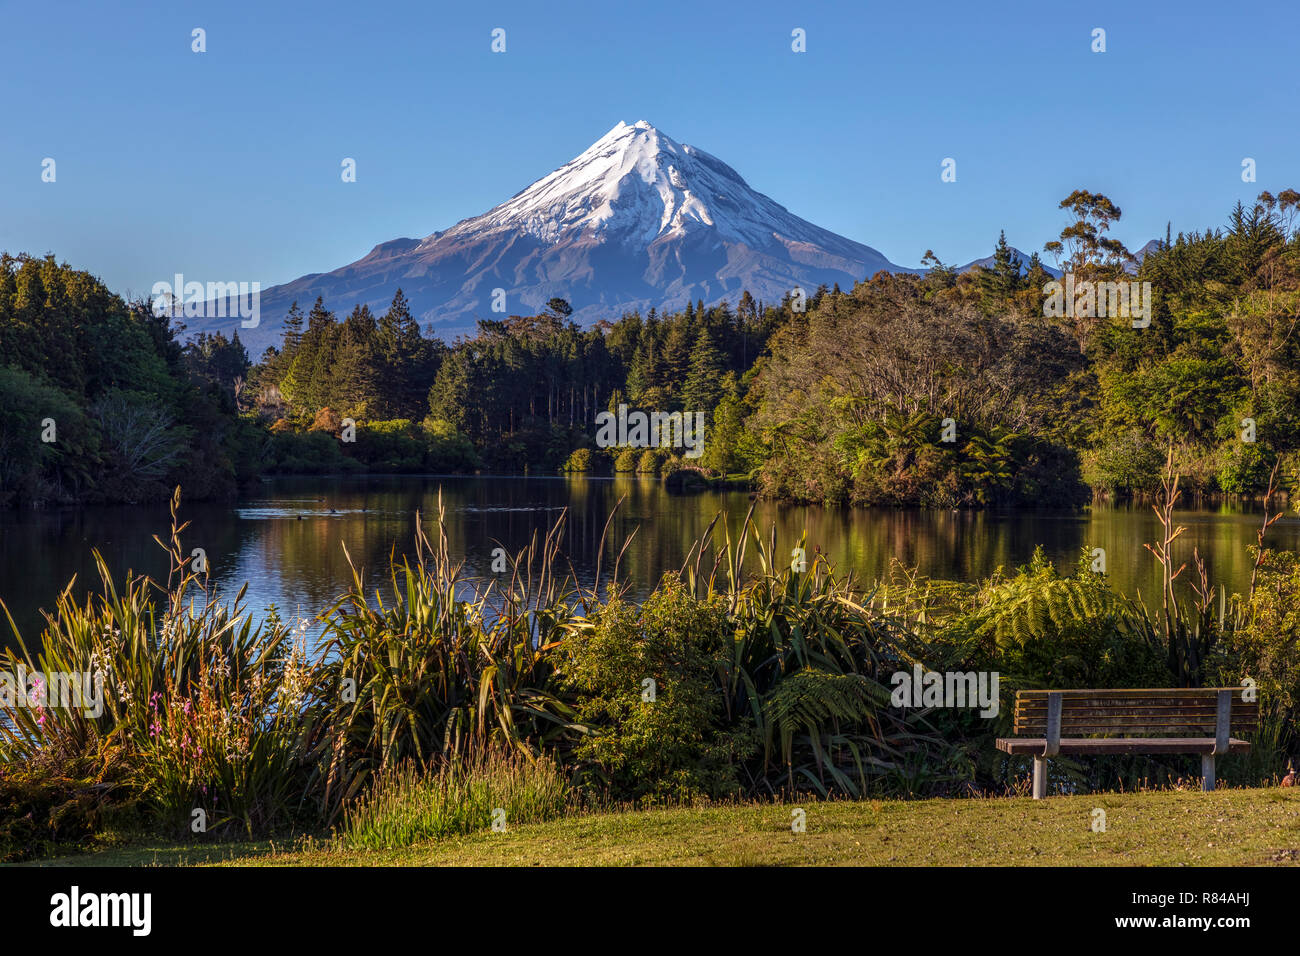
(286, 539)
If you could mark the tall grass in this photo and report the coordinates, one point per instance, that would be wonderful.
(446, 670)
(202, 710)
(407, 805)
(810, 663)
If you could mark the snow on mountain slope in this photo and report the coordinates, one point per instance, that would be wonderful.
(636, 185)
(635, 221)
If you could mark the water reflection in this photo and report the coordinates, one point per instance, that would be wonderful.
(287, 540)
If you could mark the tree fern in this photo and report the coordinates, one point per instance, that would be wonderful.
(1038, 601)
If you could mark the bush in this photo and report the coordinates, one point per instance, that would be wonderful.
(626, 461)
(392, 447)
(1267, 647)
(1129, 462)
(1244, 468)
(579, 461)
(448, 450)
(310, 453)
(327, 420)
(671, 746)
(1043, 629)
(141, 445)
(58, 805)
(648, 464)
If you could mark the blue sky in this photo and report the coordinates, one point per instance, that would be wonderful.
(226, 164)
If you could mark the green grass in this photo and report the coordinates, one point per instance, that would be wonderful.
(1228, 827)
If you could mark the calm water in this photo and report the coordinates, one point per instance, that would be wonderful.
(287, 540)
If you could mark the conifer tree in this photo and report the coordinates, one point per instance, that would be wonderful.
(703, 387)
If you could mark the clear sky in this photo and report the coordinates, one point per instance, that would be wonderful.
(226, 165)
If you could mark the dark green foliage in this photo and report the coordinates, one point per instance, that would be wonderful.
(133, 409)
(674, 745)
(854, 403)
(44, 811)
(30, 468)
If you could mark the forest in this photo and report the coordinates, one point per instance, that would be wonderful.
(945, 389)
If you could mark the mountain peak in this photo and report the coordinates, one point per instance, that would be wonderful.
(636, 220)
(634, 184)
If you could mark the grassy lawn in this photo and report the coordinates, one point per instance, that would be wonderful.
(1228, 827)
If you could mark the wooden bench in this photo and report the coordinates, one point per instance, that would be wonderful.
(1178, 721)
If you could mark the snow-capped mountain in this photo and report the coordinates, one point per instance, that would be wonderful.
(637, 220)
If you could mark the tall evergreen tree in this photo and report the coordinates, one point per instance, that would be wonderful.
(355, 372)
(703, 387)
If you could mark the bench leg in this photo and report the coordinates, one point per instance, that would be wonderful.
(1040, 778)
(1207, 772)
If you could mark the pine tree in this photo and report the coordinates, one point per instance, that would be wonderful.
(675, 357)
(404, 375)
(1000, 282)
(355, 372)
(305, 382)
(703, 388)
(292, 332)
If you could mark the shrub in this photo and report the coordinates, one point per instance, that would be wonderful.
(58, 804)
(141, 446)
(626, 461)
(580, 460)
(1244, 468)
(1267, 646)
(391, 446)
(309, 453)
(327, 420)
(439, 673)
(1129, 462)
(671, 746)
(448, 450)
(648, 464)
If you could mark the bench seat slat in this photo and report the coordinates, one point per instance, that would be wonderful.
(1082, 717)
(1189, 692)
(1132, 730)
(1067, 712)
(1135, 718)
(1121, 745)
(1127, 706)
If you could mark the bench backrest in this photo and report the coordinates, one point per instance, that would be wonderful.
(1201, 712)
